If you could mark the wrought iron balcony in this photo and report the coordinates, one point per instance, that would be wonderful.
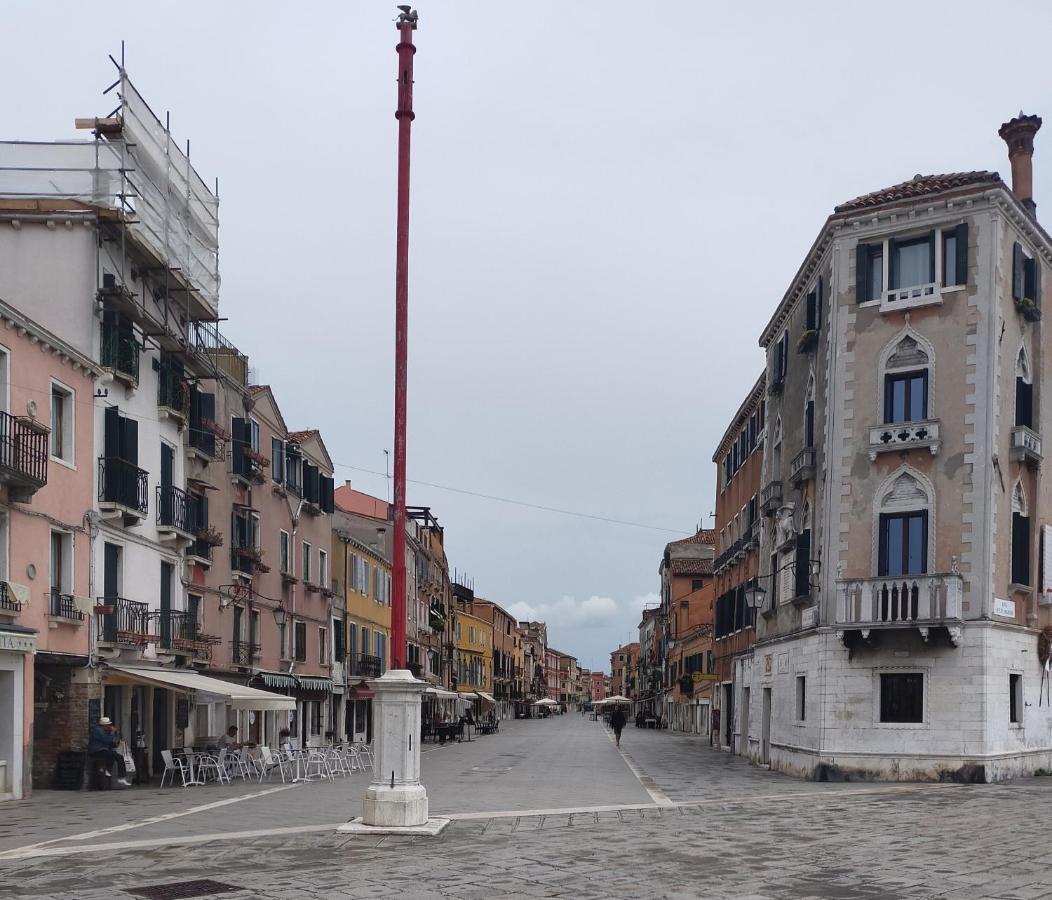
(63, 606)
(124, 487)
(802, 468)
(120, 353)
(243, 653)
(173, 393)
(904, 436)
(771, 497)
(176, 511)
(367, 666)
(23, 456)
(9, 604)
(905, 601)
(1025, 446)
(123, 621)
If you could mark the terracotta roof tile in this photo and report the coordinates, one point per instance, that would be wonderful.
(691, 566)
(258, 388)
(705, 536)
(299, 437)
(919, 186)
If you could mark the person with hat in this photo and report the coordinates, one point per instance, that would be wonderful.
(102, 748)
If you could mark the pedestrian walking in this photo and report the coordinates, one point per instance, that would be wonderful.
(617, 722)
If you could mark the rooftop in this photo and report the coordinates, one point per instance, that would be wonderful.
(919, 186)
(690, 566)
(703, 536)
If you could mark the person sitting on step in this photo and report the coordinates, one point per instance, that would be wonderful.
(102, 749)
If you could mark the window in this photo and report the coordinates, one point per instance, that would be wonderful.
(697, 584)
(300, 639)
(903, 543)
(283, 551)
(315, 716)
(1024, 391)
(906, 397)
(277, 459)
(283, 643)
(305, 571)
(323, 568)
(1020, 537)
(803, 563)
(955, 255)
(1015, 698)
(323, 647)
(813, 309)
(61, 562)
(253, 434)
(801, 698)
(781, 359)
(911, 263)
(869, 272)
(902, 697)
(338, 653)
(62, 405)
(381, 650)
(1026, 276)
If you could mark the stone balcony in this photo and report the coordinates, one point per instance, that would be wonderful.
(802, 468)
(924, 602)
(771, 497)
(904, 436)
(1025, 446)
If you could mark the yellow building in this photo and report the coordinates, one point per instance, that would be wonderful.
(368, 592)
(474, 643)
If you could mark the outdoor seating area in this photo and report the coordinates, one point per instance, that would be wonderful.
(192, 767)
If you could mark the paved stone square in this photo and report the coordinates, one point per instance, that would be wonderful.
(710, 826)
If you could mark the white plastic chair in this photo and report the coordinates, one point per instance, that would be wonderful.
(268, 762)
(211, 765)
(173, 765)
(365, 754)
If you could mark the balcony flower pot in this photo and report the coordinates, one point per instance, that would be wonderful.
(103, 610)
(808, 341)
(1029, 309)
(289, 578)
(218, 430)
(210, 536)
(261, 567)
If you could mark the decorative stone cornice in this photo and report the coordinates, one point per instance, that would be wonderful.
(12, 319)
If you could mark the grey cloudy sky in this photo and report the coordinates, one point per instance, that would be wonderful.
(609, 199)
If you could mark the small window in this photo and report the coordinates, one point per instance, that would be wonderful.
(323, 647)
(283, 552)
(903, 542)
(906, 397)
(306, 562)
(697, 584)
(277, 459)
(253, 431)
(1015, 698)
(323, 568)
(62, 423)
(869, 272)
(801, 698)
(1020, 549)
(955, 256)
(902, 697)
(912, 262)
(300, 638)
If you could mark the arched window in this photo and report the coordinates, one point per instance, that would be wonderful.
(1024, 391)
(809, 413)
(1020, 536)
(904, 524)
(906, 378)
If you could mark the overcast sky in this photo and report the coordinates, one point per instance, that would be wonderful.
(608, 201)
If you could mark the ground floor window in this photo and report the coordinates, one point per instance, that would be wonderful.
(801, 698)
(1015, 697)
(902, 697)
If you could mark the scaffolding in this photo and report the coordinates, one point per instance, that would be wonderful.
(158, 221)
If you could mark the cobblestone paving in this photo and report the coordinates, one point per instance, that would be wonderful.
(774, 838)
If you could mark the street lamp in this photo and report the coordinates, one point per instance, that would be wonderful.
(281, 616)
(755, 596)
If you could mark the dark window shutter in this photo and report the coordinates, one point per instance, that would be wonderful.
(882, 549)
(238, 460)
(205, 439)
(862, 273)
(112, 420)
(195, 407)
(893, 275)
(1020, 549)
(130, 441)
(1024, 400)
(803, 563)
(931, 256)
(818, 304)
(327, 494)
(809, 424)
(962, 253)
(1036, 263)
(1018, 274)
(202, 513)
(785, 353)
(809, 317)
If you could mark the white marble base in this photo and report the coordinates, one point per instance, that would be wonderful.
(431, 827)
(399, 807)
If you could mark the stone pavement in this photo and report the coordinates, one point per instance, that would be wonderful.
(762, 836)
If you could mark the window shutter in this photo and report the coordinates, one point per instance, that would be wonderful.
(862, 273)
(818, 304)
(962, 253)
(893, 275)
(207, 440)
(1036, 263)
(1017, 271)
(238, 460)
(112, 420)
(809, 424)
(195, 407)
(931, 256)
(785, 353)
(1020, 549)
(130, 441)
(810, 315)
(327, 494)
(1023, 403)
(803, 563)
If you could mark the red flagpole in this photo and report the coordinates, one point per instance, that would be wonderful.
(404, 115)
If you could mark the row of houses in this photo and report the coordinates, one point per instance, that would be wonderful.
(174, 551)
(874, 599)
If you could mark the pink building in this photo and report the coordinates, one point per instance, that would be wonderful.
(46, 493)
(599, 684)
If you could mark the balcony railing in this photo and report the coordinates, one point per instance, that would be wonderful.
(802, 468)
(244, 653)
(8, 603)
(173, 393)
(200, 549)
(23, 456)
(367, 666)
(125, 622)
(124, 484)
(902, 436)
(63, 606)
(771, 497)
(1026, 445)
(175, 509)
(120, 352)
(904, 601)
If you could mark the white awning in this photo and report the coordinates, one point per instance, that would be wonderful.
(440, 694)
(486, 697)
(240, 696)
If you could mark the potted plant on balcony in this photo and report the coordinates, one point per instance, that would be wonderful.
(288, 578)
(210, 535)
(216, 429)
(1029, 309)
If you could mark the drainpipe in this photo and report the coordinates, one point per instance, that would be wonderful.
(295, 520)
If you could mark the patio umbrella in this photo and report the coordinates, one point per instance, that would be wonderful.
(617, 698)
(547, 701)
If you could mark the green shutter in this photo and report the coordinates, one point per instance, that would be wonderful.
(862, 273)
(962, 253)
(1018, 261)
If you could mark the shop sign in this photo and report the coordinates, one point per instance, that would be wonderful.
(17, 643)
(1004, 608)
(704, 676)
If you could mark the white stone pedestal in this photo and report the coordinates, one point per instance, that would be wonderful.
(396, 801)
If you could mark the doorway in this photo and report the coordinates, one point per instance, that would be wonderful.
(160, 727)
(765, 729)
(744, 748)
(728, 716)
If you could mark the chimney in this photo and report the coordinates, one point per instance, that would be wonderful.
(1019, 135)
(347, 483)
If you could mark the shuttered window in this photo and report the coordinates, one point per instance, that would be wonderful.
(803, 564)
(1020, 549)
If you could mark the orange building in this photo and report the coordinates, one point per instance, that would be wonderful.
(624, 663)
(739, 460)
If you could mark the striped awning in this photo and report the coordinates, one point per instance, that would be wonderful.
(312, 683)
(278, 680)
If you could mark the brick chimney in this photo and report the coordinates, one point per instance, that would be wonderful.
(1019, 135)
